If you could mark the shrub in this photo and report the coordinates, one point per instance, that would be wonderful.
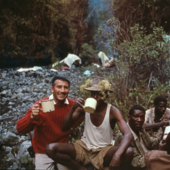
(87, 54)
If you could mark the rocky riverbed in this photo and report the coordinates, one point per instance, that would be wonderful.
(18, 92)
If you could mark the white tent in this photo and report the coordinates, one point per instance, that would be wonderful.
(103, 57)
(69, 60)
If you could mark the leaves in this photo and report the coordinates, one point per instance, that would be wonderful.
(35, 27)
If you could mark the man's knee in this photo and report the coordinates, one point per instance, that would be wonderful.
(129, 154)
(51, 149)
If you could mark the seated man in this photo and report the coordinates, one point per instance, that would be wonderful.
(157, 117)
(96, 145)
(142, 142)
(159, 159)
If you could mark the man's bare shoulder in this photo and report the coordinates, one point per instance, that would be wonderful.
(115, 112)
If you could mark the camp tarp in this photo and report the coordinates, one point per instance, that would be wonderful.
(70, 59)
(103, 57)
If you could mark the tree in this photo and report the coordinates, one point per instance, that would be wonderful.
(38, 30)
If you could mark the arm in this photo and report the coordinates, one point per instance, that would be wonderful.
(138, 160)
(127, 138)
(32, 117)
(155, 125)
(73, 115)
(151, 142)
(24, 125)
(166, 117)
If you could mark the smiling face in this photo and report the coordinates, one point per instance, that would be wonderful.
(160, 108)
(60, 91)
(136, 119)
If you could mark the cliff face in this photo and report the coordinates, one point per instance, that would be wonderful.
(18, 92)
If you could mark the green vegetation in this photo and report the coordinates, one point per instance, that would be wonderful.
(40, 30)
(143, 12)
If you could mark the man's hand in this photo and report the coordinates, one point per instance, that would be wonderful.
(115, 163)
(167, 117)
(78, 103)
(35, 110)
(165, 122)
(162, 145)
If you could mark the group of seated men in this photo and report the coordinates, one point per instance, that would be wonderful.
(138, 146)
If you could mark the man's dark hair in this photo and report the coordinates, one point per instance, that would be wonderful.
(59, 77)
(160, 98)
(136, 107)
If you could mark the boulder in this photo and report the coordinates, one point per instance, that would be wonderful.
(9, 139)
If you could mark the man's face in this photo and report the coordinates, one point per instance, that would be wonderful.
(136, 119)
(60, 90)
(97, 96)
(160, 108)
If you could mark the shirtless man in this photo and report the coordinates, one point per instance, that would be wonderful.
(96, 145)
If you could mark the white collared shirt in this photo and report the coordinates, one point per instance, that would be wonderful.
(52, 97)
(150, 115)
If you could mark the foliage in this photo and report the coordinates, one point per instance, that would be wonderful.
(86, 54)
(131, 12)
(87, 84)
(127, 13)
(104, 88)
(145, 55)
(38, 29)
(123, 98)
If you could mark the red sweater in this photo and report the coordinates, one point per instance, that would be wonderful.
(46, 126)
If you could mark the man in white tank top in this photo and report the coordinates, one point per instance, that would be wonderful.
(96, 145)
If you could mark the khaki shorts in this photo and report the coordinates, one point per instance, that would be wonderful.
(87, 156)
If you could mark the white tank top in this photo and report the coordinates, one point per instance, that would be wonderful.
(98, 137)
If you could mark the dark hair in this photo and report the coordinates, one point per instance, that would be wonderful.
(136, 107)
(60, 77)
(160, 98)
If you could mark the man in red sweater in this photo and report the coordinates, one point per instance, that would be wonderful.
(47, 126)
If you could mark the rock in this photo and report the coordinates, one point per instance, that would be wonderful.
(22, 138)
(5, 83)
(18, 92)
(13, 129)
(20, 95)
(11, 103)
(9, 139)
(10, 159)
(4, 92)
(7, 149)
(23, 156)
(52, 74)
(26, 99)
(15, 166)
(73, 67)
(4, 75)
